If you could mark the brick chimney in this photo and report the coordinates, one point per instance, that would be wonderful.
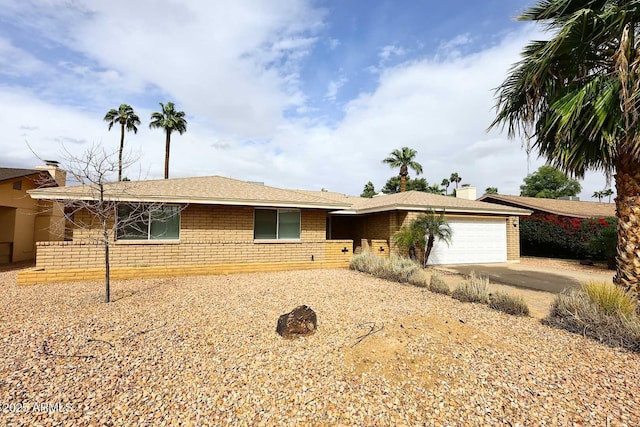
(53, 167)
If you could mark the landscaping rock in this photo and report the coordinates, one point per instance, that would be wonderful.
(301, 321)
(586, 261)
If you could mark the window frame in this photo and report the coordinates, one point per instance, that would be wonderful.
(147, 213)
(277, 237)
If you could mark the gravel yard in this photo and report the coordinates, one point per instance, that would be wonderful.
(203, 351)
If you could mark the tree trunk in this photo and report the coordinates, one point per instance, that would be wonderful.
(628, 212)
(404, 171)
(166, 155)
(107, 269)
(427, 250)
(120, 152)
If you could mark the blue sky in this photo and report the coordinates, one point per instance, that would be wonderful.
(293, 93)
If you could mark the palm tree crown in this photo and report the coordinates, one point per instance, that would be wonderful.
(434, 227)
(576, 99)
(455, 178)
(446, 183)
(404, 159)
(170, 120)
(128, 120)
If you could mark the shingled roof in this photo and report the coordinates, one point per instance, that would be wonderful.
(203, 190)
(13, 173)
(417, 201)
(571, 208)
(217, 190)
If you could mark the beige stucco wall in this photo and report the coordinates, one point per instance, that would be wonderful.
(24, 221)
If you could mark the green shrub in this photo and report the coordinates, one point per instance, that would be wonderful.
(509, 304)
(610, 299)
(438, 285)
(474, 289)
(603, 243)
(565, 237)
(395, 268)
(577, 312)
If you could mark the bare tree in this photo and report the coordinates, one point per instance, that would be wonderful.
(98, 197)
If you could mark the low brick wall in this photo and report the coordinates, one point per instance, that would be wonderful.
(69, 261)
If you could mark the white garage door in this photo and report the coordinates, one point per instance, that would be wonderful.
(474, 241)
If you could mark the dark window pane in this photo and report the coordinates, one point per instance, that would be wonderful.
(132, 223)
(165, 222)
(289, 223)
(265, 224)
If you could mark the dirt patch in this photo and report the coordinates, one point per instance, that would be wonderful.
(417, 348)
(564, 264)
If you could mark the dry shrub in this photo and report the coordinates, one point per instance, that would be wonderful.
(438, 285)
(611, 299)
(509, 304)
(594, 315)
(474, 289)
(395, 268)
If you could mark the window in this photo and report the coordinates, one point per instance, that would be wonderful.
(276, 224)
(17, 185)
(147, 222)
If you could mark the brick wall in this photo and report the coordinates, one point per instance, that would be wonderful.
(513, 238)
(210, 236)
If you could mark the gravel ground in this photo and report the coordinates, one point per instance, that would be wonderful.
(203, 351)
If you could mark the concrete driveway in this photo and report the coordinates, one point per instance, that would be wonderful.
(533, 277)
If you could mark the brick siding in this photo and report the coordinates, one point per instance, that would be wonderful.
(212, 239)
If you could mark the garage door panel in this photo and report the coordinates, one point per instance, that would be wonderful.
(474, 241)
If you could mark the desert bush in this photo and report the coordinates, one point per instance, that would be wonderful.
(509, 304)
(395, 268)
(596, 316)
(365, 262)
(610, 299)
(474, 289)
(438, 285)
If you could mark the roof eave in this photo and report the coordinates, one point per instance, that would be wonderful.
(42, 195)
(444, 208)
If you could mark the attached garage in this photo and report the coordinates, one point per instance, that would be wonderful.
(482, 232)
(474, 241)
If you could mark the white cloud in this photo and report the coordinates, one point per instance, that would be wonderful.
(16, 62)
(333, 87)
(456, 42)
(234, 68)
(391, 50)
(235, 62)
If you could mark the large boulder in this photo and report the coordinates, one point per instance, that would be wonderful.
(301, 321)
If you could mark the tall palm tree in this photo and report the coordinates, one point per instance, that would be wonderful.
(576, 99)
(598, 195)
(608, 193)
(455, 178)
(127, 119)
(404, 159)
(446, 183)
(170, 120)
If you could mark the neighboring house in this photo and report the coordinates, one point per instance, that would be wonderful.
(216, 225)
(23, 220)
(567, 208)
